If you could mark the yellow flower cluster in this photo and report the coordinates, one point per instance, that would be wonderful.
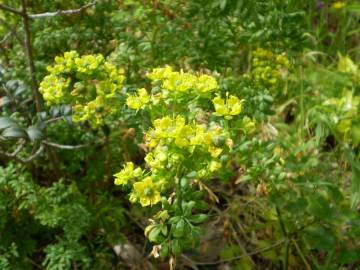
(88, 83)
(269, 68)
(345, 114)
(145, 192)
(170, 134)
(171, 142)
(174, 81)
(126, 174)
(158, 158)
(53, 89)
(168, 130)
(228, 108)
(346, 65)
(138, 101)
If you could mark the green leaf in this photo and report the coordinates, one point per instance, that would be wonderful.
(321, 239)
(6, 122)
(14, 132)
(184, 182)
(179, 228)
(229, 252)
(187, 207)
(164, 230)
(164, 251)
(355, 8)
(4, 101)
(19, 90)
(201, 205)
(319, 207)
(197, 195)
(355, 184)
(66, 110)
(199, 218)
(174, 220)
(175, 247)
(34, 133)
(154, 234)
(298, 206)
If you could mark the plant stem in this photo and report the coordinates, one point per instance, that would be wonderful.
(32, 73)
(29, 57)
(287, 242)
(178, 189)
(286, 255)
(282, 225)
(308, 267)
(302, 110)
(179, 194)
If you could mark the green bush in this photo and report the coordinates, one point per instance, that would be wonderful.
(214, 134)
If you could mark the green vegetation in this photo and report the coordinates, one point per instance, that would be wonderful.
(179, 134)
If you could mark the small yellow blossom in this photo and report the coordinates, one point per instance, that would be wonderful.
(346, 65)
(146, 192)
(138, 101)
(179, 82)
(229, 108)
(123, 177)
(214, 166)
(158, 74)
(215, 151)
(206, 83)
(339, 5)
(248, 125)
(157, 159)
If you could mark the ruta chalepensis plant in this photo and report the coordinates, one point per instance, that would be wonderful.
(193, 131)
(88, 83)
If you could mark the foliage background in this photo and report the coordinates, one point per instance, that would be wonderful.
(290, 198)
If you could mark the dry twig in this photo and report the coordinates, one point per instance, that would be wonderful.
(61, 12)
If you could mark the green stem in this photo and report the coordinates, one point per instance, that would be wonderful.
(302, 110)
(286, 255)
(178, 189)
(301, 254)
(282, 225)
(287, 243)
(226, 124)
(179, 195)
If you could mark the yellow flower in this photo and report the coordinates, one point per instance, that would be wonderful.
(157, 158)
(146, 192)
(248, 125)
(88, 63)
(88, 83)
(173, 81)
(138, 101)
(123, 177)
(229, 108)
(214, 166)
(214, 151)
(338, 5)
(180, 82)
(346, 65)
(206, 83)
(160, 73)
(269, 68)
(198, 135)
(53, 89)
